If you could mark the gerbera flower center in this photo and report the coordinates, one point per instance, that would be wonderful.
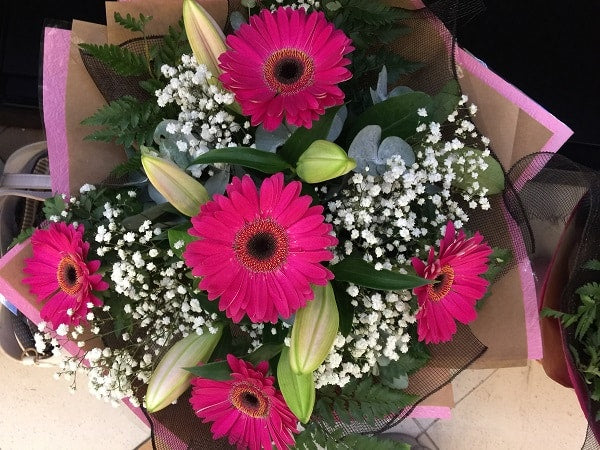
(68, 275)
(248, 399)
(261, 246)
(442, 285)
(288, 71)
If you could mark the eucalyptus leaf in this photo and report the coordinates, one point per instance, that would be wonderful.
(213, 371)
(369, 153)
(271, 140)
(217, 183)
(155, 196)
(338, 124)
(236, 19)
(167, 143)
(354, 269)
(247, 157)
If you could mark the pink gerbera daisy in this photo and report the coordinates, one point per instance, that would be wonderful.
(260, 251)
(286, 63)
(60, 275)
(458, 285)
(247, 408)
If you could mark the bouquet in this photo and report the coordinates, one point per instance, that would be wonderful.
(288, 234)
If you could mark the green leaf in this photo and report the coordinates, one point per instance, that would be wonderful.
(152, 214)
(246, 157)
(127, 121)
(397, 116)
(445, 102)
(178, 234)
(131, 23)
(592, 264)
(122, 61)
(298, 390)
(355, 270)
(417, 356)
(301, 139)
(547, 312)
(374, 401)
(356, 441)
(213, 371)
(345, 307)
(263, 353)
(491, 178)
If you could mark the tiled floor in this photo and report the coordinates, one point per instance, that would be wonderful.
(513, 408)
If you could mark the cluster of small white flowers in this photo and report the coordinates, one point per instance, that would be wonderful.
(158, 298)
(378, 330)
(390, 218)
(204, 109)
(308, 5)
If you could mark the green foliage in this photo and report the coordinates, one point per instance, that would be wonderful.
(354, 269)
(122, 61)
(362, 400)
(372, 26)
(131, 166)
(21, 237)
(131, 23)
(246, 157)
(592, 264)
(179, 234)
(586, 351)
(395, 373)
(128, 121)
(315, 437)
(213, 371)
(174, 44)
(397, 116)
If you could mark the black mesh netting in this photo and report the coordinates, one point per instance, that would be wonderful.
(562, 202)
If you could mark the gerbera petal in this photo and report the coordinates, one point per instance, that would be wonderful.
(458, 285)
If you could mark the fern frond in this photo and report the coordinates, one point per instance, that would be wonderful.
(128, 121)
(122, 61)
(364, 400)
(131, 23)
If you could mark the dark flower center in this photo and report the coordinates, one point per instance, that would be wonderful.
(288, 71)
(249, 399)
(443, 284)
(261, 246)
(68, 275)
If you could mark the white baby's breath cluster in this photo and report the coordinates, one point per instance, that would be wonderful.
(379, 330)
(308, 5)
(391, 218)
(205, 109)
(153, 299)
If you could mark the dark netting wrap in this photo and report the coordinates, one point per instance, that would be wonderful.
(562, 200)
(111, 85)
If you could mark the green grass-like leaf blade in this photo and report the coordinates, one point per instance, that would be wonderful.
(355, 270)
(246, 157)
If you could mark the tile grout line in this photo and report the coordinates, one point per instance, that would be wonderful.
(476, 387)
